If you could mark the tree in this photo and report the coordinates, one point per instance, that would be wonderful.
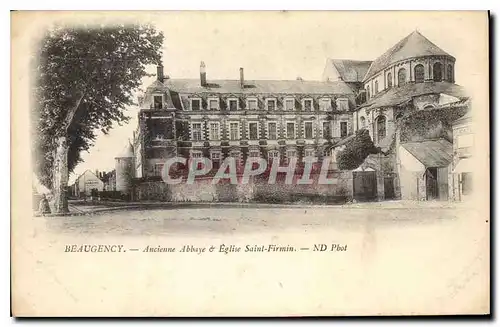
(85, 78)
(356, 150)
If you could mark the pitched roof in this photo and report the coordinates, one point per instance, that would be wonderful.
(259, 86)
(434, 153)
(350, 70)
(401, 94)
(414, 45)
(127, 152)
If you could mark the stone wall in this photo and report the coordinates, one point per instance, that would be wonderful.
(202, 190)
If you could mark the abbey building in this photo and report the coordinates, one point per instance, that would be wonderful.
(282, 119)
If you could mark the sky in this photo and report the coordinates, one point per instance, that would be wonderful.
(285, 45)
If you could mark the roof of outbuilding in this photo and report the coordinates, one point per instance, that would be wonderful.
(433, 153)
(350, 70)
(414, 45)
(259, 86)
(398, 95)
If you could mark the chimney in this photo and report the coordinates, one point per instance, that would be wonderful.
(242, 78)
(203, 74)
(159, 72)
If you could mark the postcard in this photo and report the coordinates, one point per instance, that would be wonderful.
(250, 163)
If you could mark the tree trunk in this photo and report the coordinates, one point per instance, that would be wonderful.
(60, 175)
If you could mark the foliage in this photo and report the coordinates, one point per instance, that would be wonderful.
(356, 150)
(101, 67)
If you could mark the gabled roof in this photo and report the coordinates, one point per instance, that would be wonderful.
(350, 71)
(414, 45)
(434, 153)
(259, 86)
(401, 94)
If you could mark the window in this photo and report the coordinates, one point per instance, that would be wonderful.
(292, 153)
(343, 129)
(253, 131)
(271, 104)
(272, 156)
(289, 104)
(254, 154)
(158, 101)
(380, 128)
(309, 153)
(158, 169)
(437, 72)
(401, 76)
(196, 104)
(362, 121)
(235, 155)
(449, 74)
(214, 131)
(368, 95)
(389, 80)
(213, 104)
(196, 155)
(308, 130)
(290, 130)
(233, 104)
(342, 104)
(419, 74)
(375, 91)
(215, 156)
(196, 131)
(326, 130)
(272, 131)
(308, 104)
(233, 131)
(325, 104)
(252, 104)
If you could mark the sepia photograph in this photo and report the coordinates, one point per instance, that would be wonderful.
(250, 163)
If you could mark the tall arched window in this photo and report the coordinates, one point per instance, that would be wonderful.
(389, 80)
(381, 130)
(438, 72)
(419, 73)
(401, 76)
(449, 74)
(368, 95)
(376, 88)
(363, 122)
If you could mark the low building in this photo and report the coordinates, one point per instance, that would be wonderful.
(87, 183)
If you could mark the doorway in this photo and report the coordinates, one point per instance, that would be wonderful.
(431, 184)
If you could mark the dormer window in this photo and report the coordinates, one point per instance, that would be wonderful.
(232, 104)
(213, 104)
(325, 104)
(342, 104)
(195, 104)
(289, 104)
(271, 104)
(252, 104)
(157, 101)
(307, 104)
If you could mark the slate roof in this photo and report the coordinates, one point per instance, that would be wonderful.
(350, 71)
(258, 86)
(398, 95)
(414, 45)
(434, 153)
